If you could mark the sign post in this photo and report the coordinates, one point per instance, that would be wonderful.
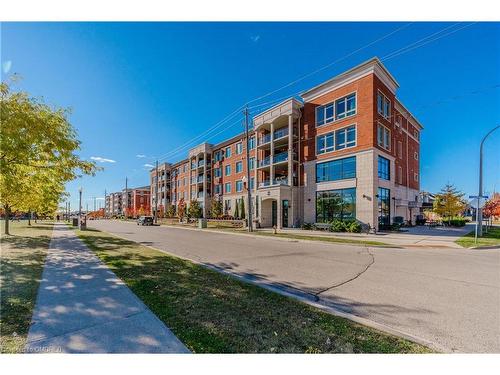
(479, 205)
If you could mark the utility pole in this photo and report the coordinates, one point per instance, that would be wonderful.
(95, 201)
(479, 221)
(126, 197)
(156, 192)
(249, 190)
(105, 208)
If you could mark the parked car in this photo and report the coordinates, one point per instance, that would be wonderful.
(145, 220)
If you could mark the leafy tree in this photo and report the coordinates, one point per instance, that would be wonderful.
(37, 154)
(449, 202)
(492, 206)
(181, 209)
(242, 214)
(170, 211)
(216, 208)
(194, 209)
(237, 210)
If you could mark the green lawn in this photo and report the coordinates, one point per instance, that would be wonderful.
(490, 238)
(22, 259)
(215, 313)
(323, 239)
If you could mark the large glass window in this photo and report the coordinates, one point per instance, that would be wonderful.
(335, 204)
(384, 168)
(345, 106)
(336, 170)
(324, 114)
(384, 137)
(383, 105)
(384, 207)
(227, 171)
(239, 186)
(338, 140)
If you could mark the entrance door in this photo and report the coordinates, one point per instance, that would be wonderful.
(274, 216)
(284, 213)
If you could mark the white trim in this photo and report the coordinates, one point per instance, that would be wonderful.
(334, 102)
(334, 131)
(390, 137)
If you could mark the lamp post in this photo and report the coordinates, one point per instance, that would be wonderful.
(80, 209)
(479, 220)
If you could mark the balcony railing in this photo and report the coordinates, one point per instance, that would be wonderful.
(201, 163)
(280, 133)
(265, 162)
(281, 157)
(276, 182)
(200, 179)
(265, 139)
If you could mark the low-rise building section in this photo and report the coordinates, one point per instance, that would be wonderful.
(130, 202)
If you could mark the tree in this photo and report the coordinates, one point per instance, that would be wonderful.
(449, 202)
(181, 209)
(170, 211)
(237, 210)
(492, 206)
(37, 154)
(216, 208)
(242, 214)
(194, 210)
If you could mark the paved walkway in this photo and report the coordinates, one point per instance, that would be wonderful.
(82, 307)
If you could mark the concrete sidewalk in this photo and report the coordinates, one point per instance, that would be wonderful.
(82, 307)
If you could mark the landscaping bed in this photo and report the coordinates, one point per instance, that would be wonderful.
(215, 313)
(490, 238)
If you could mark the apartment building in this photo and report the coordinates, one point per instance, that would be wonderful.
(130, 202)
(349, 149)
(160, 188)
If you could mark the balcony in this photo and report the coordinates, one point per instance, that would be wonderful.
(264, 139)
(200, 195)
(201, 163)
(276, 182)
(265, 162)
(200, 179)
(280, 133)
(280, 158)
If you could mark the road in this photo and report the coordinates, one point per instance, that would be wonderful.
(450, 297)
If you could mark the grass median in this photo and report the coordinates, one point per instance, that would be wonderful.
(490, 238)
(22, 260)
(215, 313)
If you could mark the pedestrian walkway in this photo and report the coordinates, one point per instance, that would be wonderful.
(83, 307)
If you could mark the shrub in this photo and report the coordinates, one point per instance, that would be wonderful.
(337, 226)
(308, 226)
(353, 227)
(457, 222)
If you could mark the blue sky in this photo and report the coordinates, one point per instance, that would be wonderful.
(147, 88)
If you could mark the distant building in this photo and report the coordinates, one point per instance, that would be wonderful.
(131, 202)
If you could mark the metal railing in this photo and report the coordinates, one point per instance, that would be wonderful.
(265, 162)
(281, 157)
(280, 133)
(265, 139)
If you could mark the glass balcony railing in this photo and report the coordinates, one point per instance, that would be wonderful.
(276, 181)
(200, 179)
(200, 195)
(265, 162)
(201, 163)
(280, 133)
(265, 139)
(281, 157)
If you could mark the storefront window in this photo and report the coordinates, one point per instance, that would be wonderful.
(335, 204)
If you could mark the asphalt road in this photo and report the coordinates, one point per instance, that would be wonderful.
(450, 297)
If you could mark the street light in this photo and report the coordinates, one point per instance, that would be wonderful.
(80, 209)
(479, 221)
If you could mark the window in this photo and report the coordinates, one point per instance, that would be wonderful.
(239, 148)
(227, 187)
(324, 143)
(218, 189)
(345, 138)
(383, 105)
(384, 137)
(384, 168)
(415, 176)
(345, 106)
(227, 171)
(400, 149)
(336, 170)
(384, 207)
(252, 163)
(239, 186)
(335, 204)
(337, 110)
(415, 155)
(324, 114)
(252, 183)
(400, 175)
(218, 156)
(217, 172)
(228, 152)
(239, 167)
(251, 143)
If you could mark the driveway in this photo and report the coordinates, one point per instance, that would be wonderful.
(450, 297)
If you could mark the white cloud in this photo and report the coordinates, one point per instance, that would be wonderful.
(140, 156)
(6, 66)
(100, 198)
(255, 38)
(149, 166)
(102, 160)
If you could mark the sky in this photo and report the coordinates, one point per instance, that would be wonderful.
(144, 91)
